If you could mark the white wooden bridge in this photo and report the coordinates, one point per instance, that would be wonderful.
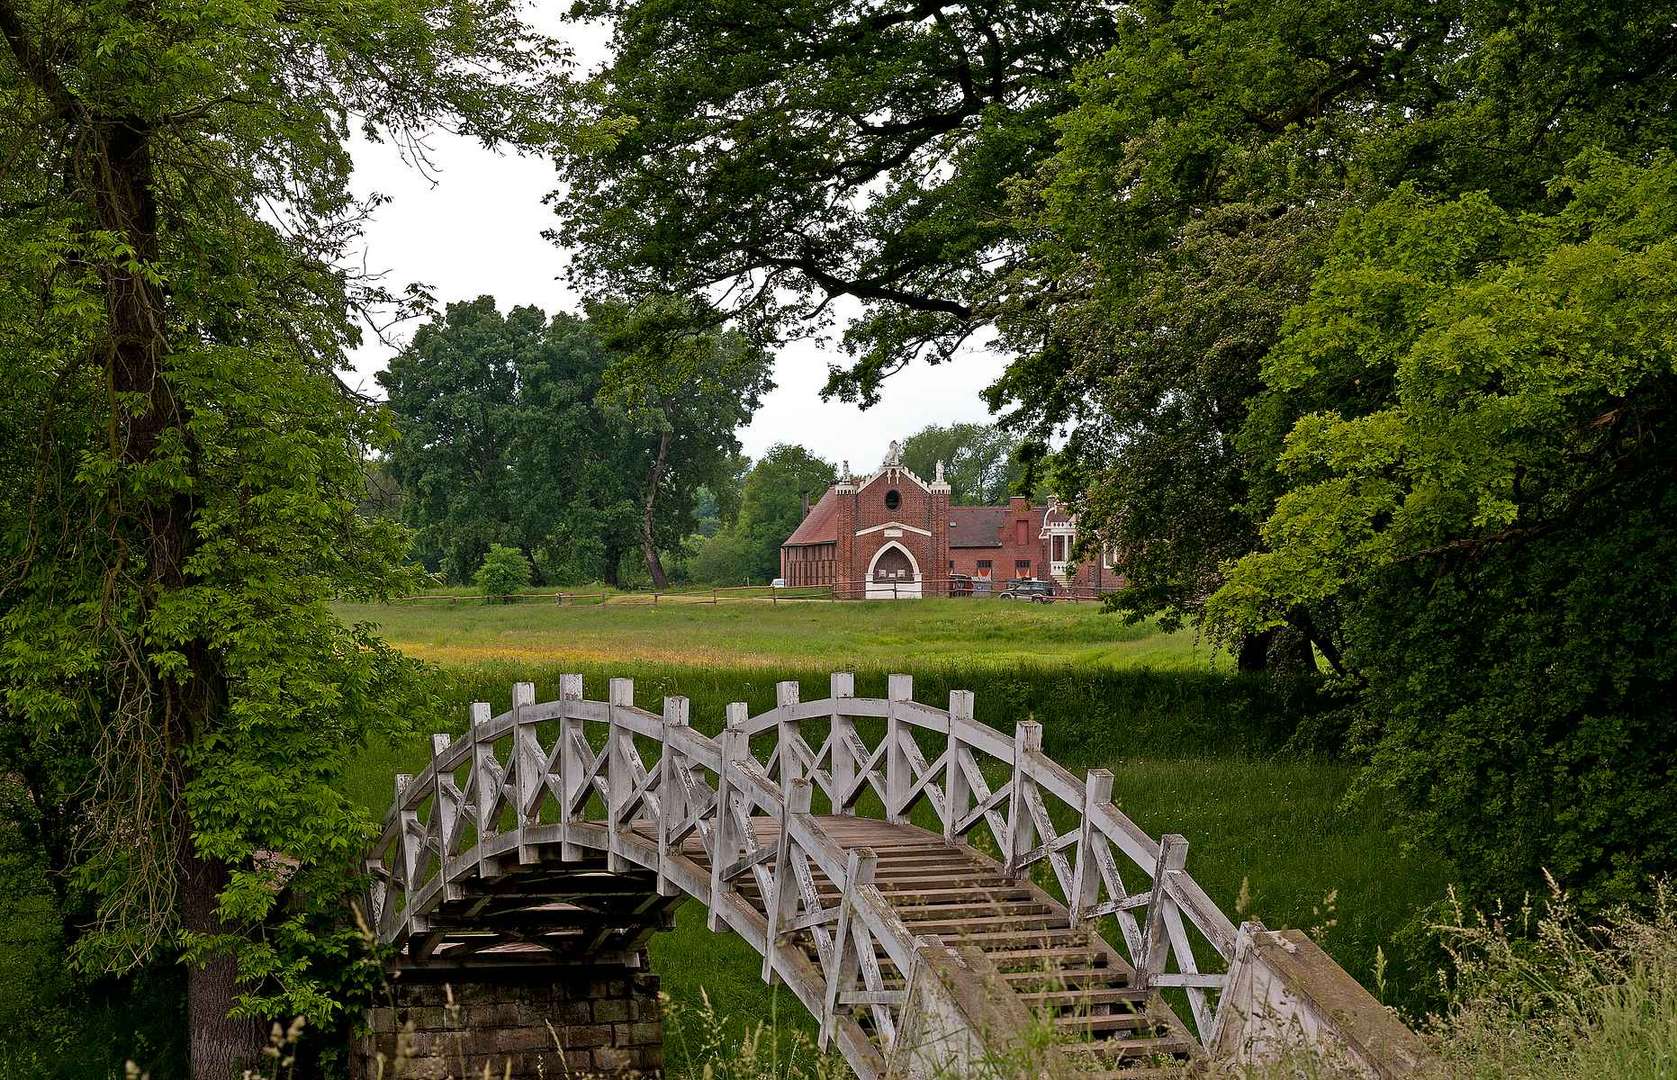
(913, 876)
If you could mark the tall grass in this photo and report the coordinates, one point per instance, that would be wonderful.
(1544, 994)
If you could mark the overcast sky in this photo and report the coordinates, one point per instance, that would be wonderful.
(473, 226)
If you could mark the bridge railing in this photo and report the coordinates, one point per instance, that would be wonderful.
(737, 828)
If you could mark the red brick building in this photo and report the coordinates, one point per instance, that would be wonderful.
(895, 535)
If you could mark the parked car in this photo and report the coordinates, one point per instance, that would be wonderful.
(960, 584)
(1035, 590)
(778, 583)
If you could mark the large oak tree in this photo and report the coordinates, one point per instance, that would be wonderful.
(182, 464)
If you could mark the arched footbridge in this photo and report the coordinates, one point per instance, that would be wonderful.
(924, 884)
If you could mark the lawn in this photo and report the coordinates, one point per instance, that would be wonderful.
(1195, 748)
(924, 634)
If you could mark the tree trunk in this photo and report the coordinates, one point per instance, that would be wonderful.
(161, 526)
(111, 160)
(1254, 651)
(220, 1046)
(649, 545)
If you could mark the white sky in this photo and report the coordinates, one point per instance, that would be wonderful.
(473, 225)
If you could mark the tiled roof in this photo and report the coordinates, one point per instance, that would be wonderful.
(976, 526)
(821, 526)
(969, 526)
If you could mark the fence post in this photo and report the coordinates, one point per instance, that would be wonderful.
(1173, 855)
(786, 733)
(1086, 878)
(955, 787)
(620, 777)
(843, 734)
(485, 784)
(672, 801)
(571, 762)
(782, 907)
(409, 848)
(898, 777)
(724, 845)
(1021, 827)
(858, 871)
(528, 764)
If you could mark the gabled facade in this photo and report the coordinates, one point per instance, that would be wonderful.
(894, 535)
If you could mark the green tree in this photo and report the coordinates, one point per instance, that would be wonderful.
(574, 470)
(981, 462)
(504, 572)
(503, 441)
(771, 506)
(1474, 421)
(806, 152)
(175, 211)
(454, 391)
(684, 388)
(1194, 193)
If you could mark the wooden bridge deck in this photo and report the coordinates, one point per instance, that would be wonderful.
(1063, 975)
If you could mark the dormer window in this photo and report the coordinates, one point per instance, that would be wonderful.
(893, 499)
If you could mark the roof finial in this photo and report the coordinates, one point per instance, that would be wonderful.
(844, 470)
(939, 478)
(894, 456)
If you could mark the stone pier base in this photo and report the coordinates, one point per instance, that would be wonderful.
(565, 1022)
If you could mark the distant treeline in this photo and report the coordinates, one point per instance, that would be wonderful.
(605, 449)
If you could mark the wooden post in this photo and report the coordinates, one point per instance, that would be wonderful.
(1086, 878)
(955, 788)
(724, 846)
(843, 732)
(571, 762)
(1027, 739)
(620, 777)
(858, 871)
(898, 776)
(782, 907)
(672, 798)
(485, 784)
(786, 734)
(408, 849)
(528, 764)
(446, 813)
(1173, 855)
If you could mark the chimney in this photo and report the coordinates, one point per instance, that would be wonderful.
(804, 499)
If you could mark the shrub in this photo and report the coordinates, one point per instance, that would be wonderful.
(504, 571)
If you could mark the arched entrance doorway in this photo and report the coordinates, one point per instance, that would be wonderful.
(893, 574)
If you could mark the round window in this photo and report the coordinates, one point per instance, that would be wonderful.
(893, 499)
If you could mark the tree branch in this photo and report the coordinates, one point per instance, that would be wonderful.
(34, 64)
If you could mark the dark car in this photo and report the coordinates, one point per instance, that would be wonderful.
(1035, 590)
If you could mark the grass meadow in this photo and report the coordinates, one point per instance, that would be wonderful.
(682, 631)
